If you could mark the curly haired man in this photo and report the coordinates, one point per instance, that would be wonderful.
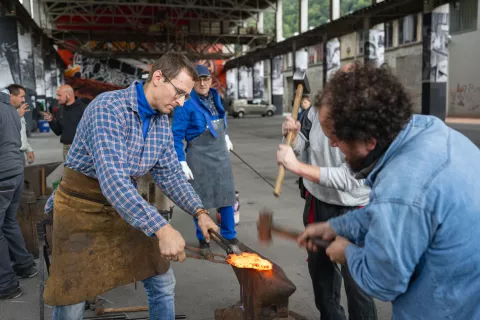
(416, 242)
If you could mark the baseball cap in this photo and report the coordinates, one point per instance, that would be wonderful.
(202, 70)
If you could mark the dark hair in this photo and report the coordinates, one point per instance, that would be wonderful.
(15, 89)
(366, 102)
(171, 64)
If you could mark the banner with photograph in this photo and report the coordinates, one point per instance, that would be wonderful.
(27, 67)
(258, 80)
(232, 84)
(9, 57)
(245, 83)
(333, 57)
(277, 75)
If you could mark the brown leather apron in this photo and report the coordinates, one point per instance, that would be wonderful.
(94, 249)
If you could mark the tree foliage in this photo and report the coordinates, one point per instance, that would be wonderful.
(318, 14)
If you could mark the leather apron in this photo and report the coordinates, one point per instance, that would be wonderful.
(209, 160)
(94, 249)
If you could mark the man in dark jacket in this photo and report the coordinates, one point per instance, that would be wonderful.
(66, 120)
(12, 245)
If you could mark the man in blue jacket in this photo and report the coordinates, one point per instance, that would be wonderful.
(202, 122)
(417, 241)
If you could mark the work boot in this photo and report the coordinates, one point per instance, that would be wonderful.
(11, 294)
(28, 272)
(206, 251)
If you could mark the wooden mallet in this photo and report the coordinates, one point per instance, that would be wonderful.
(266, 227)
(300, 82)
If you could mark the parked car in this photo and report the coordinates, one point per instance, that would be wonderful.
(241, 107)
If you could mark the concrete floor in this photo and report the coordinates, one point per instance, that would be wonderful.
(202, 286)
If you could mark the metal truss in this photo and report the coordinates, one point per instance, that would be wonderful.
(151, 28)
(92, 11)
(142, 50)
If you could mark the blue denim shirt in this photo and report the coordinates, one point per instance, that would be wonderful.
(419, 237)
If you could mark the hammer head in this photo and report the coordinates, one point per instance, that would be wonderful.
(300, 77)
(99, 307)
(264, 226)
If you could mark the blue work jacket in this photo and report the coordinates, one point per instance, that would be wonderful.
(192, 120)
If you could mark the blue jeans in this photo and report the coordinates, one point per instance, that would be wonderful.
(161, 300)
(227, 224)
(12, 245)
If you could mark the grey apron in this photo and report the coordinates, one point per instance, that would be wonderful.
(209, 160)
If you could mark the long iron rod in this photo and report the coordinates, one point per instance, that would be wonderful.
(264, 179)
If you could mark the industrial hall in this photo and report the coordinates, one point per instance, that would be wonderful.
(239, 159)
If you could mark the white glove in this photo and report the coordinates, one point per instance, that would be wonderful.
(186, 170)
(229, 143)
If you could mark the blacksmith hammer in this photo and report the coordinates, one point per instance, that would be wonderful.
(300, 82)
(265, 228)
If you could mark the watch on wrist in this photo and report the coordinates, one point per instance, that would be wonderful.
(200, 212)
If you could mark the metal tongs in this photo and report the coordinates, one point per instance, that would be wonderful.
(222, 242)
(210, 257)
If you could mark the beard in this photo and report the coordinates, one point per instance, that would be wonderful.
(355, 162)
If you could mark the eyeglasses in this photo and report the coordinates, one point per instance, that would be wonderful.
(179, 93)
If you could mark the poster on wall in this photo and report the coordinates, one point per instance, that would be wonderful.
(375, 45)
(232, 84)
(27, 67)
(9, 57)
(39, 71)
(438, 67)
(301, 60)
(333, 57)
(258, 80)
(245, 83)
(53, 71)
(277, 75)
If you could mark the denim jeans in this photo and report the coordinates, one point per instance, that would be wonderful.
(227, 224)
(12, 246)
(161, 300)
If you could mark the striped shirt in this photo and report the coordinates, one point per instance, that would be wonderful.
(109, 146)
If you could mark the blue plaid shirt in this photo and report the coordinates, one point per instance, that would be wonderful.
(109, 146)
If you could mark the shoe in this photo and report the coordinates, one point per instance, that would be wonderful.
(206, 251)
(29, 272)
(12, 294)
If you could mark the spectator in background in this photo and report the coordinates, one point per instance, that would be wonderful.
(66, 119)
(15, 261)
(304, 105)
(17, 100)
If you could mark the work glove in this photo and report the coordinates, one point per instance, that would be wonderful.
(186, 170)
(229, 143)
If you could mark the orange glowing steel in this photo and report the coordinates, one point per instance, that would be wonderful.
(249, 261)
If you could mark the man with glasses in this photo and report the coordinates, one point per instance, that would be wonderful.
(202, 122)
(104, 233)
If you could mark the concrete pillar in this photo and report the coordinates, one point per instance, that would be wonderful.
(303, 21)
(334, 10)
(260, 23)
(279, 21)
(244, 47)
(435, 60)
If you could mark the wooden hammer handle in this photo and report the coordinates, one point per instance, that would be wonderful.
(294, 235)
(290, 136)
(126, 309)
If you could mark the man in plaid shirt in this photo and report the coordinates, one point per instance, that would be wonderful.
(123, 134)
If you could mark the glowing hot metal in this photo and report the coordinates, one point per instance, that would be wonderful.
(248, 260)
